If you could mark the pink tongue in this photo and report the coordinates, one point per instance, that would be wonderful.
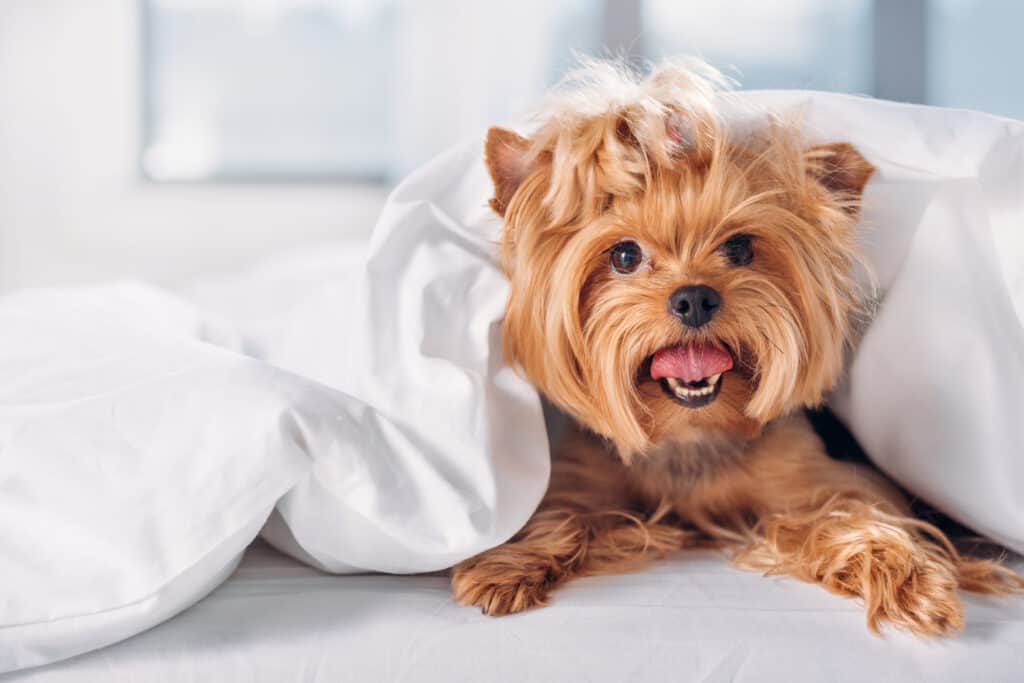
(690, 363)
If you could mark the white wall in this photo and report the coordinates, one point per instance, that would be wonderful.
(73, 208)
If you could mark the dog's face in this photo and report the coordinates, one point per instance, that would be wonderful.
(671, 283)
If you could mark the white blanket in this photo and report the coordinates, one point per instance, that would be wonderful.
(364, 409)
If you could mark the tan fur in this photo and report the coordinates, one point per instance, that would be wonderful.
(648, 160)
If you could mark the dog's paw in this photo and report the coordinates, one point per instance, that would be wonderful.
(914, 592)
(500, 582)
(904, 578)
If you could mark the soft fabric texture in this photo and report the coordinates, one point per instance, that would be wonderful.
(691, 618)
(364, 412)
(452, 456)
(136, 464)
(145, 441)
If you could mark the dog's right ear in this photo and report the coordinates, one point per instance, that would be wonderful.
(841, 170)
(508, 160)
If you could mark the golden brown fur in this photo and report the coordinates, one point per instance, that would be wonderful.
(649, 161)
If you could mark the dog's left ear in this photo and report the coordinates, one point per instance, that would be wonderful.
(508, 159)
(840, 168)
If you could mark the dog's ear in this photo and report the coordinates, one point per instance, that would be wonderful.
(508, 159)
(840, 168)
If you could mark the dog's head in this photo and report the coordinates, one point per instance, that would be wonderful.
(671, 279)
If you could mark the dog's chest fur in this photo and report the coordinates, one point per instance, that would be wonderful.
(672, 468)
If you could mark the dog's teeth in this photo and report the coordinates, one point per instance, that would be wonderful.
(685, 392)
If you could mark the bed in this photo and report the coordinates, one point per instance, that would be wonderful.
(268, 350)
(688, 618)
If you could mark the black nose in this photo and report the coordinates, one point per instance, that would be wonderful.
(695, 305)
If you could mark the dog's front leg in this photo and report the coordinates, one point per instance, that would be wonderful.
(586, 524)
(843, 526)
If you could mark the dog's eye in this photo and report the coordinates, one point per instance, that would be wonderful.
(626, 257)
(739, 249)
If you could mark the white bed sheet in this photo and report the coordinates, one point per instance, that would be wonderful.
(688, 618)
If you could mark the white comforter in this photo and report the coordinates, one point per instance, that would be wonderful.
(361, 415)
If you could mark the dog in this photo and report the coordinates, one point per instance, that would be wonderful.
(683, 289)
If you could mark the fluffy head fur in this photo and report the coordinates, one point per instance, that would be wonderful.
(619, 157)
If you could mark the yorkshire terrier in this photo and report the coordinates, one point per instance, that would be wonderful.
(683, 290)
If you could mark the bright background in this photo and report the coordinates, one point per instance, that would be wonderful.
(162, 139)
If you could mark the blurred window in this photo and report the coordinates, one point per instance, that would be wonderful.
(975, 55)
(277, 89)
(780, 44)
(340, 89)
(368, 89)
